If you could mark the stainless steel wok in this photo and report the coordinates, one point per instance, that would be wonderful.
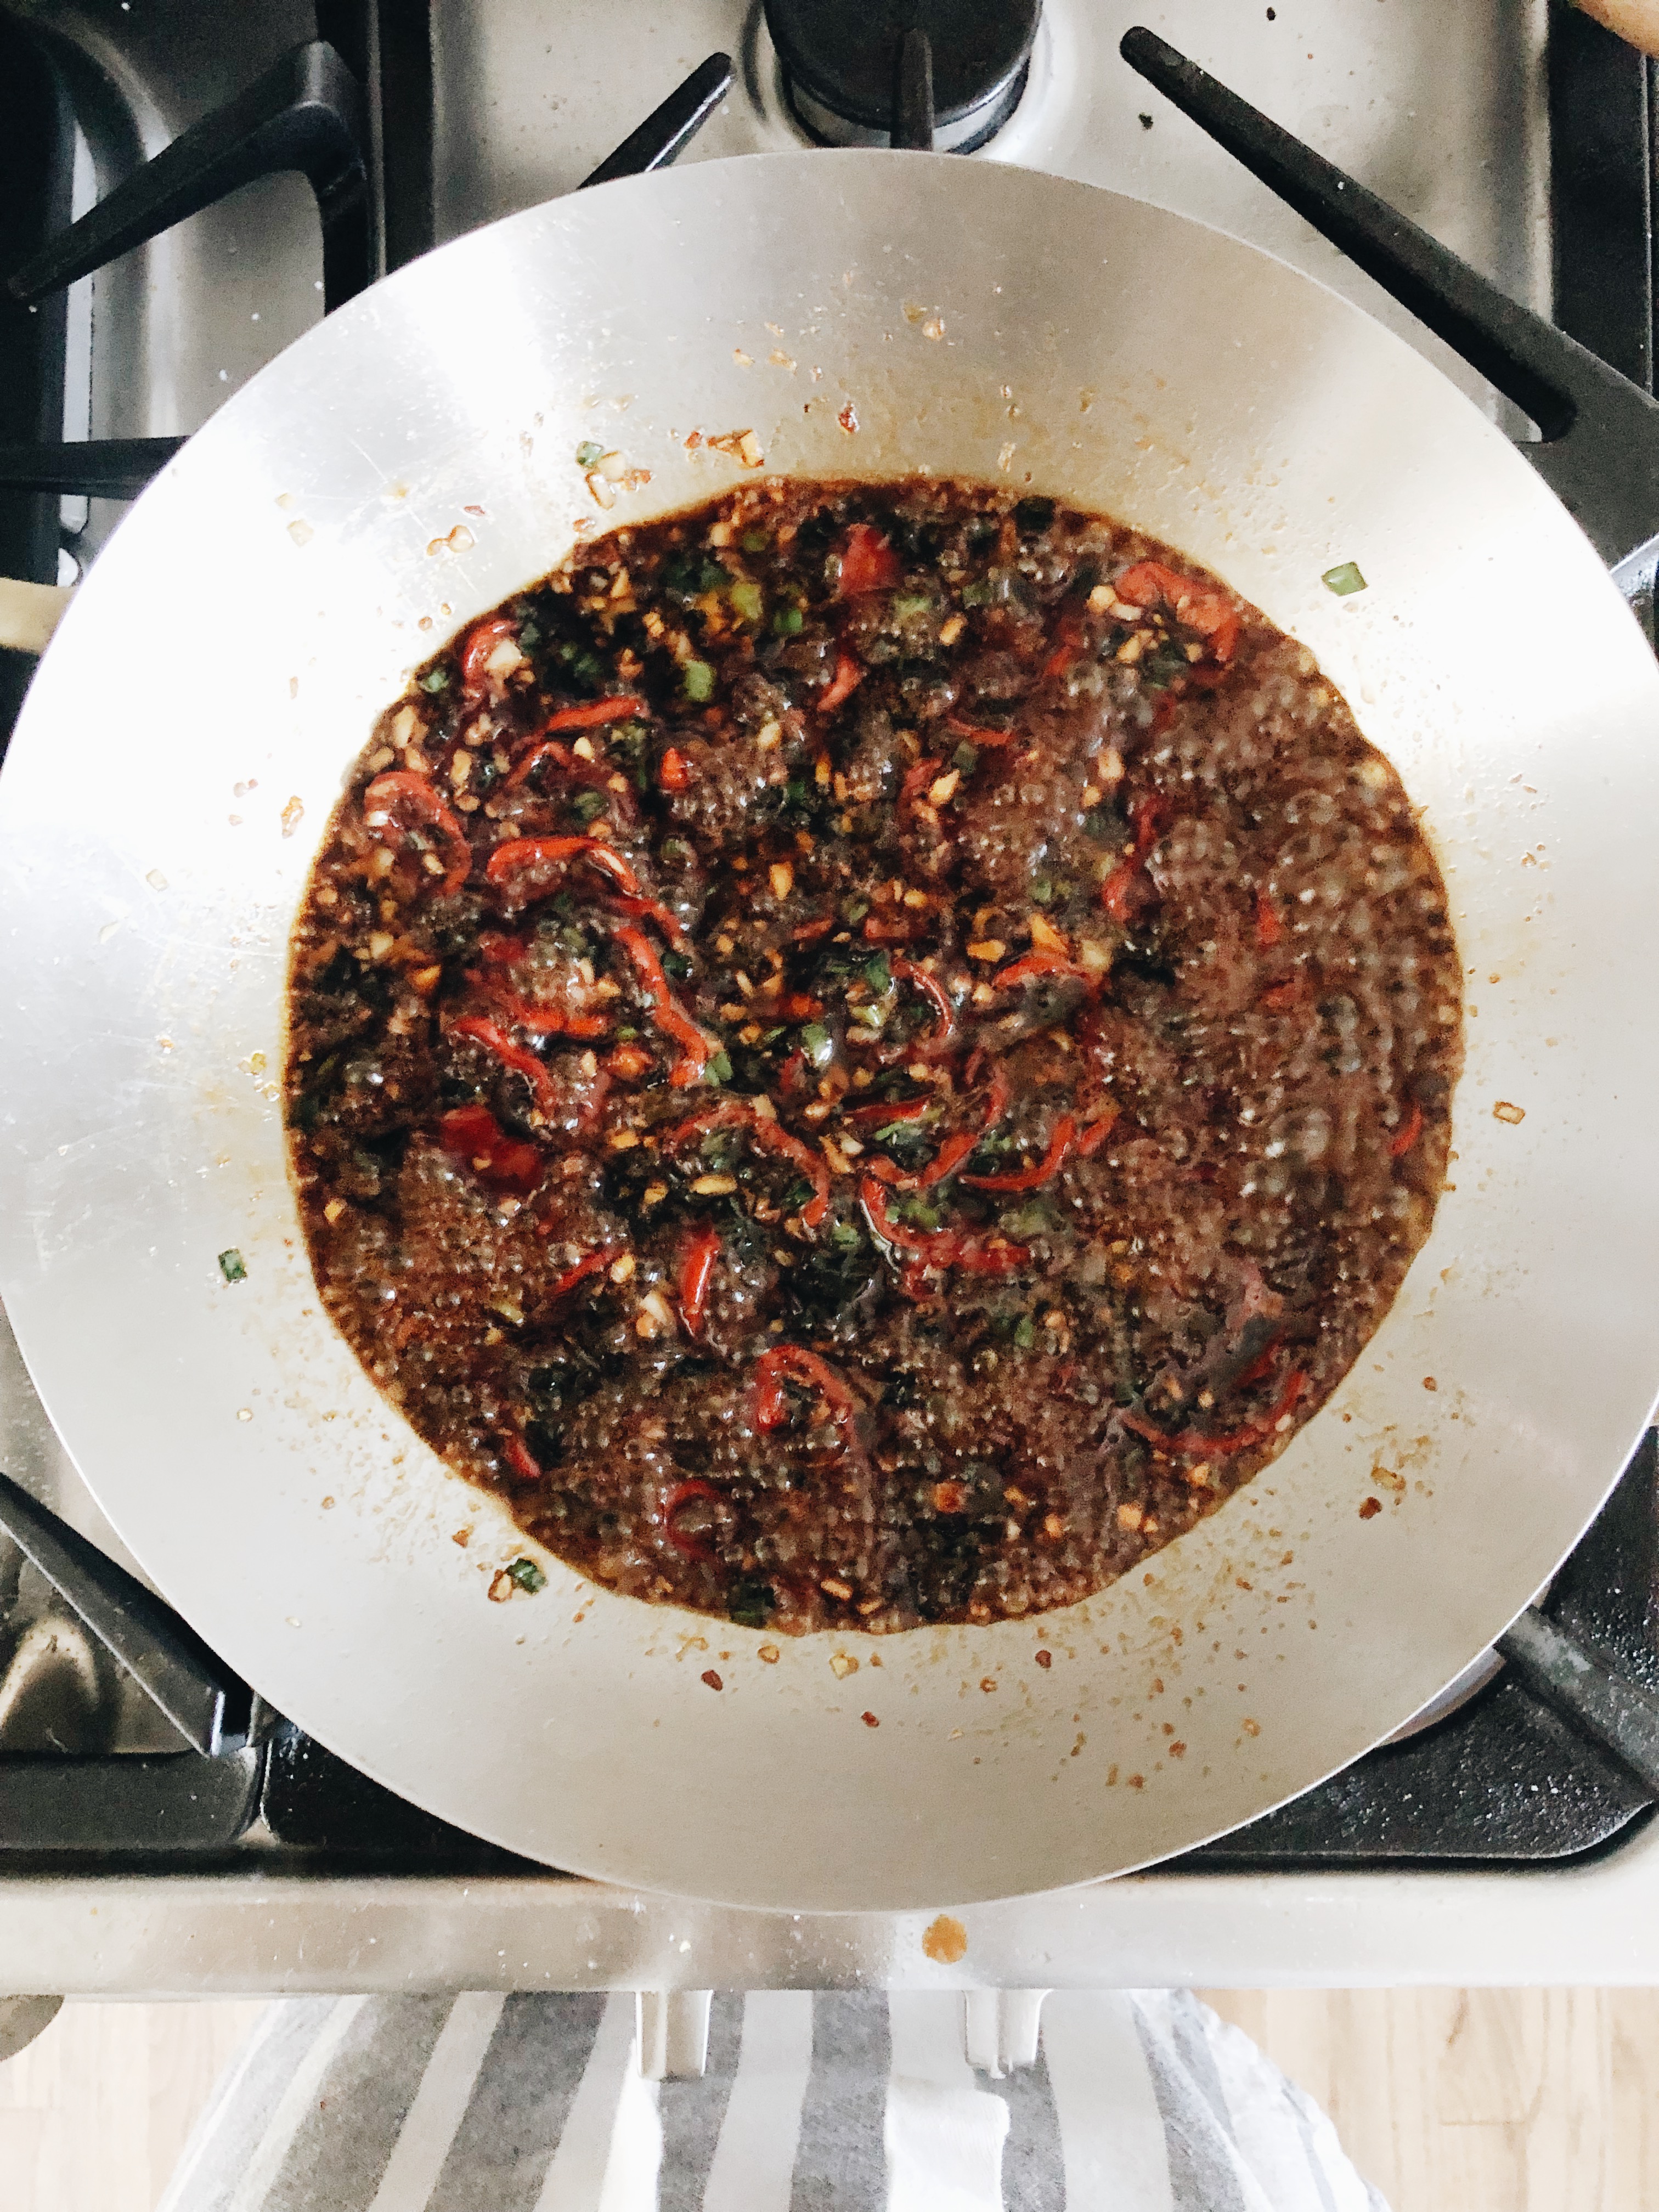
(410, 463)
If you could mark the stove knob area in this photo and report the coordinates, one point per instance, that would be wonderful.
(839, 64)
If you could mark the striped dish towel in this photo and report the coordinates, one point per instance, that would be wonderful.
(1141, 2102)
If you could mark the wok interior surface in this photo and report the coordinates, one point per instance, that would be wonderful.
(179, 758)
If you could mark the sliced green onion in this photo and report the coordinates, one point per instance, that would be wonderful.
(911, 603)
(1025, 1334)
(697, 679)
(436, 679)
(817, 1045)
(755, 541)
(966, 757)
(233, 1267)
(719, 1068)
(527, 1575)
(1343, 579)
(879, 975)
(787, 621)
(676, 964)
(626, 1034)
(589, 453)
(586, 804)
(1042, 890)
(747, 601)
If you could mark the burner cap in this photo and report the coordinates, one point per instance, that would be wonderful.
(841, 62)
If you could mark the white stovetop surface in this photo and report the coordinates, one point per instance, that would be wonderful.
(235, 1934)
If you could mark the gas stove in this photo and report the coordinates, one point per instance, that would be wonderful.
(299, 158)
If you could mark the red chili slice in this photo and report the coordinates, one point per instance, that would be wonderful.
(517, 1454)
(810, 932)
(849, 674)
(983, 740)
(673, 771)
(1188, 1442)
(650, 909)
(1269, 928)
(740, 1113)
(593, 714)
(481, 641)
(682, 1494)
(916, 781)
(542, 1021)
(1041, 961)
(868, 562)
(1068, 642)
(402, 789)
(1031, 1178)
(903, 929)
(795, 1363)
(1407, 1135)
(922, 980)
(696, 1272)
(906, 1109)
(548, 748)
(940, 1248)
(1150, 814)
(695, 1050)
(949, 1156)
(1202, 607)
(591, 1263)
(495, 1040)
(1094, 1134)
(506, 1164)
(508, 862)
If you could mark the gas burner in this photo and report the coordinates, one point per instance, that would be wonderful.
(842, 66)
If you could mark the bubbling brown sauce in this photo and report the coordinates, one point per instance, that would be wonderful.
(866, 1055)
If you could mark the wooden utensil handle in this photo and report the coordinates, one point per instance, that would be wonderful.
(30, 612)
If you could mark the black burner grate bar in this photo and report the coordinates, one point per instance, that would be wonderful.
(307, 113)
(99, 468)
(913, 94)
(1601, 454)
(668, 129)
(205, 1702)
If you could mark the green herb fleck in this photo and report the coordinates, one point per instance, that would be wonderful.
(879, 975)
(589, 453)
(1343, 579)
(1042, 890)
(673, 850)
(527, 1575)
(817, 1045)
(697, 679)
(797, 1194)
(436, 679)
(1025, 1334)
(750, 1604)
(846, 1236)
(855, 909)
(626, 1034)
(966, 757)
(747, 602)
(676, 964)
(720, 1068)
(755, 541)
(586, 804)
(529, 633)
(907, 603)
(788, 622)
(233, 1267)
